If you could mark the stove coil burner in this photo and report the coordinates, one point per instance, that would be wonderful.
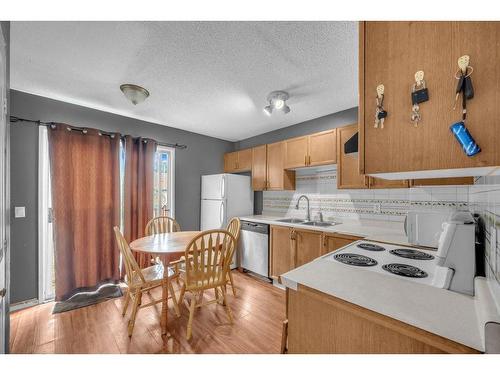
(370, 247)
(412, 254)
(404, 270)
(355, 260)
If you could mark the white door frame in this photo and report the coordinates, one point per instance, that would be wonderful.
(4, 201)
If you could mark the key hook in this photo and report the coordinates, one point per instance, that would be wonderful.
(419, 77)
(463, 63)
(380, 91)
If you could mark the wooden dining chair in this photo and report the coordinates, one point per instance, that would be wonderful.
(161, 224)
(206, 262)
(233, 227)
(140, 281)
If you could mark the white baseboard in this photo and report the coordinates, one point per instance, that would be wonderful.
(23, 305)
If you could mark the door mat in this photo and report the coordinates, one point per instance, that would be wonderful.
(87, 298)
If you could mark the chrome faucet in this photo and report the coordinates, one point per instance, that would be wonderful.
(308, 217)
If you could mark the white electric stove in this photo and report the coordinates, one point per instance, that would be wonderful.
(414, 264)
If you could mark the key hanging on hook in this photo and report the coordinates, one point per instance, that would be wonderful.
(419, 94)
(464, 80)
(380, 112)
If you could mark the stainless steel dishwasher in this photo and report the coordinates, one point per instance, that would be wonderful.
(254, 247)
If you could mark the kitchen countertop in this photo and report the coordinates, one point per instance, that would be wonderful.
(373, 230)
(452, 315)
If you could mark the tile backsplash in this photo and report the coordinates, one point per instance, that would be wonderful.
(378, 204)
(484, 198)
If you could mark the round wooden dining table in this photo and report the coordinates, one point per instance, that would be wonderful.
(168, 247)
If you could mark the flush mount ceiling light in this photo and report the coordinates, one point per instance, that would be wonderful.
(277, 102)
(136, 94)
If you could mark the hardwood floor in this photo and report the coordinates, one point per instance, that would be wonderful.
(258, 310)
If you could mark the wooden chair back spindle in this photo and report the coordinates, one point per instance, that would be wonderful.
(162, 224)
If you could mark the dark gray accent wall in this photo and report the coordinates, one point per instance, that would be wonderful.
(5, 26)
(204, 155)
(334, 120)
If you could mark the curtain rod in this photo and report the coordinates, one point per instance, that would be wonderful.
(14, 119)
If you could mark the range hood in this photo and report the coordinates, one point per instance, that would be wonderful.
(351, 146)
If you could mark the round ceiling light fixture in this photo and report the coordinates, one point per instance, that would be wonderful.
(277, 102)
(136, 94)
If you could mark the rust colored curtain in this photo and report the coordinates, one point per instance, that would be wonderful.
(85, 174)
(138, 190)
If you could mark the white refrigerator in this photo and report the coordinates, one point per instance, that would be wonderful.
(224, 196)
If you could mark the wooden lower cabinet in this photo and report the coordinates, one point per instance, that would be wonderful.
(291, 248)
(334, 241)
(308, 245)
(320, 323)
(282, 258)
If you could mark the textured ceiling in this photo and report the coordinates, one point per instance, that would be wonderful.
(207, 77)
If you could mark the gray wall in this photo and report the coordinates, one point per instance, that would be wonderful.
(334, 120)
(204, 155)
(5, 25)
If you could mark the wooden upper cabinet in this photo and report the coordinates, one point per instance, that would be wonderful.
(380, 183)
(281, 253)
(238, 161)
(311, 150)
(259, 167)
(323, 148)
(277, 177)
(443, 181)
(230, 161)
(308, 245)
(433, 47)
(348, 176)
(296, 152)
(245, 160)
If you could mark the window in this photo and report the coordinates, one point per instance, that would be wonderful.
(163, 193)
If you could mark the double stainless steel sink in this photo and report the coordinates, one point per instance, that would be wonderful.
(305, 222)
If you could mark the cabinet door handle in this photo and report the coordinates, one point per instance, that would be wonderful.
(305, 159)
(309, 159)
